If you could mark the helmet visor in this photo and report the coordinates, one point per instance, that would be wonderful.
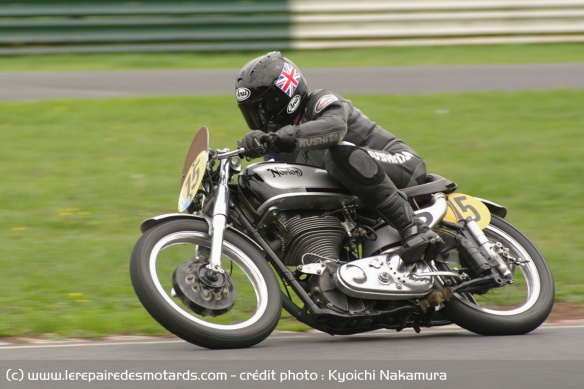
(254, 114)
(264, 109)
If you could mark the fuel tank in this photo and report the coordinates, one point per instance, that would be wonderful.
(289, 186)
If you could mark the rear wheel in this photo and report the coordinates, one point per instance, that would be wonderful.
(240, 308)
(513, 309)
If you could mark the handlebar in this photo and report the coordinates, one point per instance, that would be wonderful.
(226, 153)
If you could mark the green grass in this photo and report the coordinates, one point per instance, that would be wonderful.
(391, 56)
(78, 177)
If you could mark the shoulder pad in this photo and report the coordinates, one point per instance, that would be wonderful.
(322, 99)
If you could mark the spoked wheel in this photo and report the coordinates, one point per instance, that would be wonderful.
(235, 309)
(513, 309)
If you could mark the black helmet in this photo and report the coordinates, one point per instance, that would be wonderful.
(270, 89)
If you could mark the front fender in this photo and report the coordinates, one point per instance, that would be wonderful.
(156, 220)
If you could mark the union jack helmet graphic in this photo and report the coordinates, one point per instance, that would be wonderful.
(270, 89)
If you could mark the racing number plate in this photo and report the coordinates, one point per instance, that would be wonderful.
(194, 169)
(462, 206)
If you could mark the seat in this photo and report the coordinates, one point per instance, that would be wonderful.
(434, 184)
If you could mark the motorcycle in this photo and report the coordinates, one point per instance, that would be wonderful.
(250, 241)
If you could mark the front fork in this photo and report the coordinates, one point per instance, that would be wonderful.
(219, 222)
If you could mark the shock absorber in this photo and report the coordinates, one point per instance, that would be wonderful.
(494, 259)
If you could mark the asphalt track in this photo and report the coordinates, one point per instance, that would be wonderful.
(369, 80)
(551, 356)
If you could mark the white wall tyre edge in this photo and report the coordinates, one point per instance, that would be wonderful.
(522, 319)
(188, 326)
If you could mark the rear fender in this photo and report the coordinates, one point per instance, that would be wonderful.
(156, 220)
(494, 208)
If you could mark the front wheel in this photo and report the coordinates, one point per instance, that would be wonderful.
(239, 309)
(513, 309)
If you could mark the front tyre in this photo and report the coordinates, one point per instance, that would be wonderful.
(164, 248)
(514, 309)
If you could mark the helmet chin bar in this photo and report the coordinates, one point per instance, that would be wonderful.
(271, 127)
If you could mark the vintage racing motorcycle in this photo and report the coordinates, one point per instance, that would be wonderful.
(249, 242)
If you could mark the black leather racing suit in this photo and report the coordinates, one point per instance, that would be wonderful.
(376, 166)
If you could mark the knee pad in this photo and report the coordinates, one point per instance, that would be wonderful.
(357, 165)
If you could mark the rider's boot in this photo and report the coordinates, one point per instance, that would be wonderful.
(418, 240)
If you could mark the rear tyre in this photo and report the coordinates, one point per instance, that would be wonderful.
(514, 309)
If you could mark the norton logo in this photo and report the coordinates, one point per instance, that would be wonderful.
(285, 172)
(294, 104)
(242, 94)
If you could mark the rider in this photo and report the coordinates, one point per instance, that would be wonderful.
(323, 129)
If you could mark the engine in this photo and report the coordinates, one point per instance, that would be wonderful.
(315, 239)
(309, 238)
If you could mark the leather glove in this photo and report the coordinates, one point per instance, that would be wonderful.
(275, 141)
(253, 143)
(276, 144)
(284, 140)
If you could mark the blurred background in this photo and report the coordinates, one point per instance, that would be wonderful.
(84, 26)
(100, 100)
